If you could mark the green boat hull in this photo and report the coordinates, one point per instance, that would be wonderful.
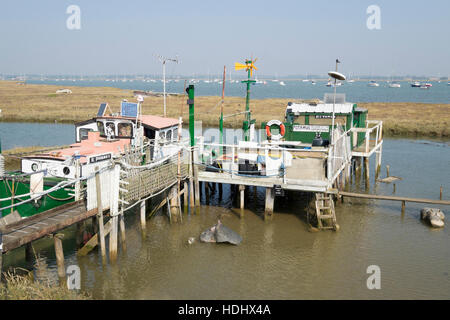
(20, 186)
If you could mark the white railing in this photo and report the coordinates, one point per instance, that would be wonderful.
(373, 132)
(339, 155)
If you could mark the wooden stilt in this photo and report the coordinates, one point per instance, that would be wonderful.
(440, 192)
(173, 204)
(191, 193)
(101, 231)
(79, 233)
(387, 171)
(185, 196)
(270, 200)
(242, 195)
(220, 191)
(197, 188)
(403, 207)
(143, 218)
(366, 171)
(113, 239)
(207, 192)
(29, 252)
(59, 255)
(122, 231)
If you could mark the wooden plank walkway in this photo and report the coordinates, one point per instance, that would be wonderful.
(27, 230)
(392, 198)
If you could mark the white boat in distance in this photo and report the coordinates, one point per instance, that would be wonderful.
(394, 85)
(282, 83)
(415, 84)
(373, 83)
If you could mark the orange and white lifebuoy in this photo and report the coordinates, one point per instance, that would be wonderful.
(275, 123)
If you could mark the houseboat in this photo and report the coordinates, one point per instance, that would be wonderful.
(99, 141)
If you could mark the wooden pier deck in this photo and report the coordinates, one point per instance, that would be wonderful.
(27, 230)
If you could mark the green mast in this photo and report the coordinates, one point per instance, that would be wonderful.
(248, 66)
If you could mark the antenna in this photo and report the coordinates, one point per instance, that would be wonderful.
(163, 61)
(336, 76)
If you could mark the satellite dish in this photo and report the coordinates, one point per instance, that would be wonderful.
(336, 75)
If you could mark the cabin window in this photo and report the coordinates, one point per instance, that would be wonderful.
(175, 134)
(299, 119)
(125, 130)
(162, 134)
(84, 133)
(169, 135)
(101, 128)
(112, 126)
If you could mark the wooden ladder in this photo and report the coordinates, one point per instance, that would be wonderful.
(325, 211)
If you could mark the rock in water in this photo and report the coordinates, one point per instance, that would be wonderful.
(208, 235)
(221, 234)
(225, 234)
(434, 216)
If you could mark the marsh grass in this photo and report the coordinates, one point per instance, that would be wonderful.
(40, 103)
(17, 286)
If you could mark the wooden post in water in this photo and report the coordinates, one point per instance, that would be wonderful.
(242, 195)
(207, 191)
(59, 255)
(440, 193)
(191, 193)
(113, 239)
(101, 231)
(366, 171)
(220, 191)
(185, 196)
(387, 171)
(378, 161)
(122, 231)
(29, 252)
(197, 187)
(143, 219)
(403, 207)
(270, 200)
(173, 204)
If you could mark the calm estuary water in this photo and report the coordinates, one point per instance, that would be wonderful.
(357, 91)
(280, 259)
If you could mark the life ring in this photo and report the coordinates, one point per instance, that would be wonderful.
(280, 125)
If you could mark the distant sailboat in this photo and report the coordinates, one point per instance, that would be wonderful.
(282, 83)
(373, 83)
(394, 85)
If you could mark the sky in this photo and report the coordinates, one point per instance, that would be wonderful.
(287, 37)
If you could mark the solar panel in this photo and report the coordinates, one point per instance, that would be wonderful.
(102, 109)
(129, 109)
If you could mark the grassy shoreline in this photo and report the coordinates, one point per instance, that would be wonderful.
(40, 103)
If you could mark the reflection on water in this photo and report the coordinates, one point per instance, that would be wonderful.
(280, 259)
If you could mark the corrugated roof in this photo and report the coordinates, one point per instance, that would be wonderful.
(155, 122)
(321, 108)
(158, 122)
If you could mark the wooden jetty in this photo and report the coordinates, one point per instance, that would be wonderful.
(109, 192)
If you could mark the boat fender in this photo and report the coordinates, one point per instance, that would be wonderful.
(276, 123)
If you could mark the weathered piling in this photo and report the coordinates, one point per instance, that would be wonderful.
(191, 193)
(101, 231)
(142, 215)
(59, 255)
(173, 204)
(29, 252)
(185, 196)
(242, 196)
(440, 192)
(270, 199)
(122, 230)
(113, 239)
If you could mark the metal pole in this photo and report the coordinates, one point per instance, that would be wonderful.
(332, 119)
(164, 85)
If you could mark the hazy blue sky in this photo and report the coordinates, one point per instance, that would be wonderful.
(288, 37)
